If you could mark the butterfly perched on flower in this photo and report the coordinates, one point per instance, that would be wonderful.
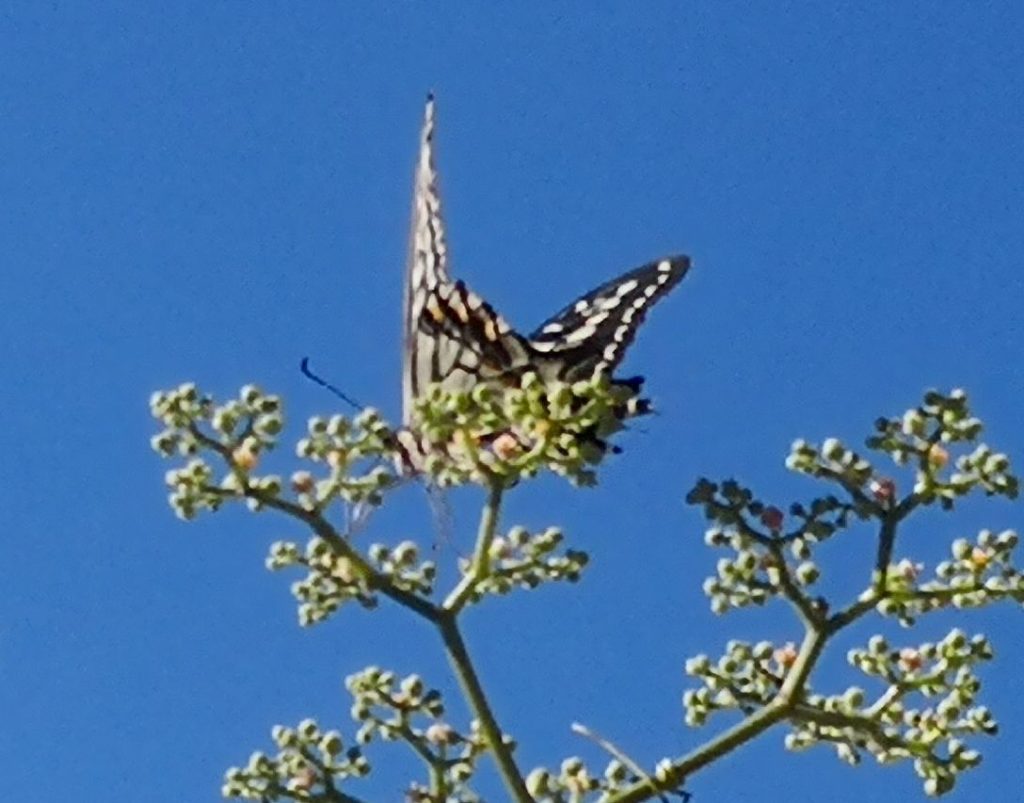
(456, 340)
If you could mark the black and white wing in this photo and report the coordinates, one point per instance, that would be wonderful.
(455, 339)
(452, 337)
(591, 334)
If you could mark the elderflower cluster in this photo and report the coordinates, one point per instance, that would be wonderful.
(925, 711)
(522, 559)
(392, 709)
(978, 573)
(309, 763)
(236, 435)
(487, 435)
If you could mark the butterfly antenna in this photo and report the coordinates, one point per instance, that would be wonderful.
(304, 367)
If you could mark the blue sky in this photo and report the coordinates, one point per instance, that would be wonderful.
(210, 191)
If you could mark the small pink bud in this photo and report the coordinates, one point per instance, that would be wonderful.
(937, 456)
(785, 656)
(910, 659)
(772, 518)
(245, 457)
(909, 570)
(303, 780)
(883, 489)
(302, 482)
(506, 446)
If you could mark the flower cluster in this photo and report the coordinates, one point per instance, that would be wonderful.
(770, 561)
(344, 445)
(919, 438)
(488, 436)
(393, 709)
(892, 728)
(240, 431)
(977, 573)
(746, 677)
(524, 560)
(333, 578)
(308, 766)
(766, 561)
(575, 783)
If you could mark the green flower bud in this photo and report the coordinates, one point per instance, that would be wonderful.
(331, 743)
(956, 640)
(538, 782)
(807, 573)
(887, 607)
(698, 665)
(405, 553)
(284, 737)
(763, 651)
(412, 685)
(832, 449)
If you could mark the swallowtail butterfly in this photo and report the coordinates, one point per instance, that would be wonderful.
(452, 337)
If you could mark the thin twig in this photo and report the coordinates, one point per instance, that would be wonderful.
(480, 563)
(615, 752)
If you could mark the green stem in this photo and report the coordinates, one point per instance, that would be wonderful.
(809, 613)
(480, 565)
(675, 774)
(462, 665)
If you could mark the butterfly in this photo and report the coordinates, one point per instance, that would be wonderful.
(455, 339)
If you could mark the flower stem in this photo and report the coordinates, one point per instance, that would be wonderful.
(462, 665)
(481, 561)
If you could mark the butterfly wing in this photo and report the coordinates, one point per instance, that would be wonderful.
(427, 355)
(591, 334)
(492, 350)
(452, 337)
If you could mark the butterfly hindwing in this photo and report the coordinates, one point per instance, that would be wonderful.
(591, 334)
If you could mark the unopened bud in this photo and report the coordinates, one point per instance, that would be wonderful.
(302, 482)
(785, 656)
(771, 517)
(883, 489)
(937, 456)
(910, 659)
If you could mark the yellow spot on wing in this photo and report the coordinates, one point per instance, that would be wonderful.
(435, 310)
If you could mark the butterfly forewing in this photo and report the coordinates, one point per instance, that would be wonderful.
(429, 355)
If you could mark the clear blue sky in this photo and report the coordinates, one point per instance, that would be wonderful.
(212, 190)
